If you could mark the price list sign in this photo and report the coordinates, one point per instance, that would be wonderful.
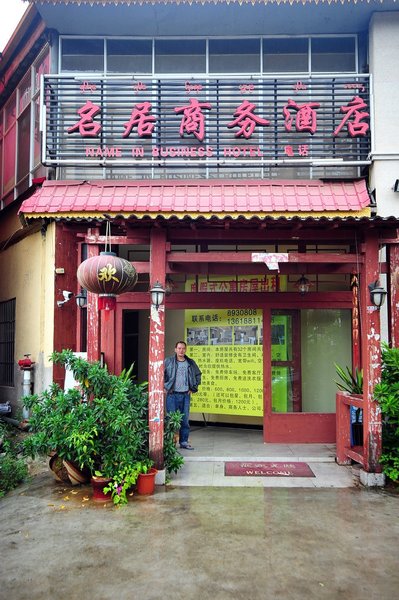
(227, 346)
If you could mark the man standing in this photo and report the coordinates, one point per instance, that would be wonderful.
(182, 377)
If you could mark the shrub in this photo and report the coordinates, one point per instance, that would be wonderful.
(13, 469)
(102, 425)
(387, 394)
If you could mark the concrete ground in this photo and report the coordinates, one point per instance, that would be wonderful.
(205, 536)
(213, 446)
(199, 543)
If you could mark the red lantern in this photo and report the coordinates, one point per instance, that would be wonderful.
(107, 275)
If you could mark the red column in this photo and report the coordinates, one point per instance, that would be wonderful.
(356, 360)
(157, 351)
(93, 317)
(371, 356)
(393, 287)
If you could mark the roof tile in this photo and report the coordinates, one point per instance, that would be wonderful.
(221, 197)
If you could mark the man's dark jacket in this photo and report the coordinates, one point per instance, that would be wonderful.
(194, 374)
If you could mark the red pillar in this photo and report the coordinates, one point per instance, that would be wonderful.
(393, 287)
(93, 317)
(157, 351)
(371, 356)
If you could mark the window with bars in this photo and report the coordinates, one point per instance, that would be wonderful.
(7, 342)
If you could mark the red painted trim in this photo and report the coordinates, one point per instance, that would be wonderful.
(282, 300)
(302, 428)
(108, 338)
(267, 383)
(65, 316)
(355, 322)
(393, 294)
(157, 351)
(371, 356)
(93, 318)
(246, 257)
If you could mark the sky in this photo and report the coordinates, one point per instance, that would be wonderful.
(10, 18)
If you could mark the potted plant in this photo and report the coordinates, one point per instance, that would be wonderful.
(101, 425)
(352, 383)
(146, 478)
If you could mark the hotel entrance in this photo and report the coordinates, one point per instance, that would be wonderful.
(262, 368)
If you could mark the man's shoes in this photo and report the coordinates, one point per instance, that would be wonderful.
(186, 446)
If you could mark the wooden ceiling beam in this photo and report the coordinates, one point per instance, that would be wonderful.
(246, 257)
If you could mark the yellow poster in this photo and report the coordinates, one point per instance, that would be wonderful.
(227, 346)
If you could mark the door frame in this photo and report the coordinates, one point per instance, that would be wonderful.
(277, 427)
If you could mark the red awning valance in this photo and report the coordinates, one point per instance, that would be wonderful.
(211, 198)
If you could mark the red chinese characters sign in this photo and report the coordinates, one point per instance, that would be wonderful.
(210, 121)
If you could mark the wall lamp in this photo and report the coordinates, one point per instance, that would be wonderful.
(157, 295)
(303, 285)
(396, 186)
(81, 298)
(377, 294)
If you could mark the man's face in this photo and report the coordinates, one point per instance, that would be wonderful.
(180, 350)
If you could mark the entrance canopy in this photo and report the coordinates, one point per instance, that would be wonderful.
(194, 198)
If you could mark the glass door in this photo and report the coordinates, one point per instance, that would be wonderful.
(285, 362)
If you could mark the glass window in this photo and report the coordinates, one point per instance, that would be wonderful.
(317, 356)
(9, 112)
(234, 56)
(7, 342)
(41, 67)
(288, 55)
(180, 56)
(24, 93)
(129, 56)
(36, 133)
(23, 145)
(332, 55)
(9, 145)
(82, 55)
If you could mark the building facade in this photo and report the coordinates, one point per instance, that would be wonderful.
(243, 158)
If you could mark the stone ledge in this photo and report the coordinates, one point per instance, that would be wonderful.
(372, 479)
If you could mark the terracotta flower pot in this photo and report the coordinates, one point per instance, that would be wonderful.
(146, 482)
(56, 465)
(98, 484)
(76, 475)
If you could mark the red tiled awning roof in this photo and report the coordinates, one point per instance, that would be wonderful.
(211, 198)
(132, 2)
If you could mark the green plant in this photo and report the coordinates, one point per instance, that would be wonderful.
(13, 469)
(122, 482)
(352, 383)
(349, 382)
(173, 459)
(387, 395)
(101, 425)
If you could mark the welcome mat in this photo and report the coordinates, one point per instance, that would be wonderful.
(268, 469)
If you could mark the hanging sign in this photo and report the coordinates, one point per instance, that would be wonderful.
(206, 122)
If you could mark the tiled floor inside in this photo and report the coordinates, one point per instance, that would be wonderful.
(213, 446)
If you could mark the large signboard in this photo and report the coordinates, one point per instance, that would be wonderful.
(210, 122)
(227, 346)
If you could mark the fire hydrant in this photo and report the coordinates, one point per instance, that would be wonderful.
(26, 366)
